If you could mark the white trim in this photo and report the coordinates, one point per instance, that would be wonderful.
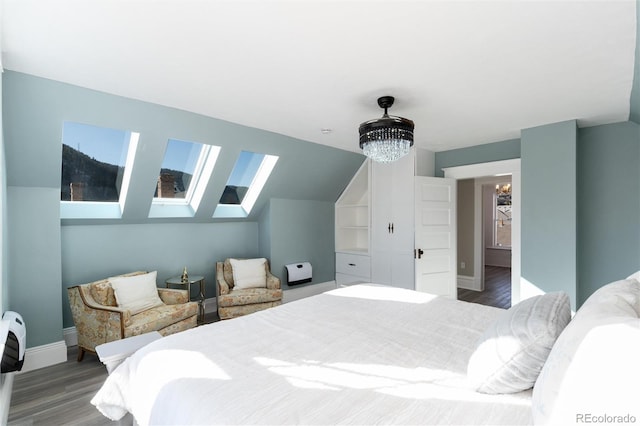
(70, 336)
(292, 294)
(44, 356)
(469, 283)
(494, 168)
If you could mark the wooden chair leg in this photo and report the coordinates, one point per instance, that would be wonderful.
(80, 353)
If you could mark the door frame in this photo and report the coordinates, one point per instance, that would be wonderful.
(497, 168)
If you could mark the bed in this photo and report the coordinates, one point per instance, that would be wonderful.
(365, 354)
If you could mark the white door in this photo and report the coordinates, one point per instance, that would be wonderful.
(435, 236)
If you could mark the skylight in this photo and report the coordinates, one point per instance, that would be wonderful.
(96, 169)
(245, 183)
(183, 177)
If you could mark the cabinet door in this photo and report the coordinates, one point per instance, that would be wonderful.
(392, 223)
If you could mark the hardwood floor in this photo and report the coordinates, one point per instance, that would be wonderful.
(497, 289)
(61, 394)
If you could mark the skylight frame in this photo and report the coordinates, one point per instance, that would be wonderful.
(188, 206)
(253, 192)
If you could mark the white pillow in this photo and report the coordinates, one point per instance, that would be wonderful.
(594, 368)
(512, 351)
(137, 293)
(249, 273)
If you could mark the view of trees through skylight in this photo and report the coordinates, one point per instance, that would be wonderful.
(93, 160)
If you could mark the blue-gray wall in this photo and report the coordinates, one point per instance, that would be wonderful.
(47, 255)
(607, 218)
(302, 230)
(4, 234)
(608, 205)
(34, 262)
(94, 251)
(548, 236)
(496, 151)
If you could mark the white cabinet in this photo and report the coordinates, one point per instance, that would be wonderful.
(375, 225)
(392, 222)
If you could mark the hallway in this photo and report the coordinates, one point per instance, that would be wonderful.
(497, 289)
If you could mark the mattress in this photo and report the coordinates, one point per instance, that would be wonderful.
(365, 354)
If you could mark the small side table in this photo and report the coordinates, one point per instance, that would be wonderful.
(192, 280)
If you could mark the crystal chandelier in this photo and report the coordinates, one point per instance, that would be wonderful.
(388, 138)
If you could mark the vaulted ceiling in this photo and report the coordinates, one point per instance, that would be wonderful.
(466, 72)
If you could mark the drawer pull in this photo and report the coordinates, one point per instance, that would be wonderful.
(352, 264)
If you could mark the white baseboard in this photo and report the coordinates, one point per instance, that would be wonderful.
(44, 356)
(292, 294)
(469, 283)
(70, 336)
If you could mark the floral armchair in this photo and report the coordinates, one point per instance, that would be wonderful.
(234, 299)
(99, 319)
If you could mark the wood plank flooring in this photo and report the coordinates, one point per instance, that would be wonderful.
(61, 394)
(497, 289)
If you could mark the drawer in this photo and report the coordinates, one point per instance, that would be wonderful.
(353, 264)
(343, 280)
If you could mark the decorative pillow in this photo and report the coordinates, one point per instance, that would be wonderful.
(593, 369)
(511, 352)
(249, 273)
(102, 292)
(136, 293)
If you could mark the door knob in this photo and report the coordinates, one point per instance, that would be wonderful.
(417, 253)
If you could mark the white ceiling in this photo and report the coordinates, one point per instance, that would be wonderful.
(466, 72)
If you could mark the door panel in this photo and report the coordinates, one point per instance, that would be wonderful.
(435, 236)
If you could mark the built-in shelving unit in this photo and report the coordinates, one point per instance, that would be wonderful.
(352, 215)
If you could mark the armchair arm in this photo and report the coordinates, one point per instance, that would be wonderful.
(221, 283)
(173, 296)
(273, 282)
(95, 323)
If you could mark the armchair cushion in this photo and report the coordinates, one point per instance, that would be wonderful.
(249, 296)
(159, 318)
(137, 293)
(234, 301)
(249, 273)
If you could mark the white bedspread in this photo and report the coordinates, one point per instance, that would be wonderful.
(362, 355)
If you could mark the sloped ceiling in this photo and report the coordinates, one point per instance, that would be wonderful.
(466, 72)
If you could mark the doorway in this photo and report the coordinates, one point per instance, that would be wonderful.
(477, 278)
(493, 286)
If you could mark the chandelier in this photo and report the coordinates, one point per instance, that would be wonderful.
(388, 138)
